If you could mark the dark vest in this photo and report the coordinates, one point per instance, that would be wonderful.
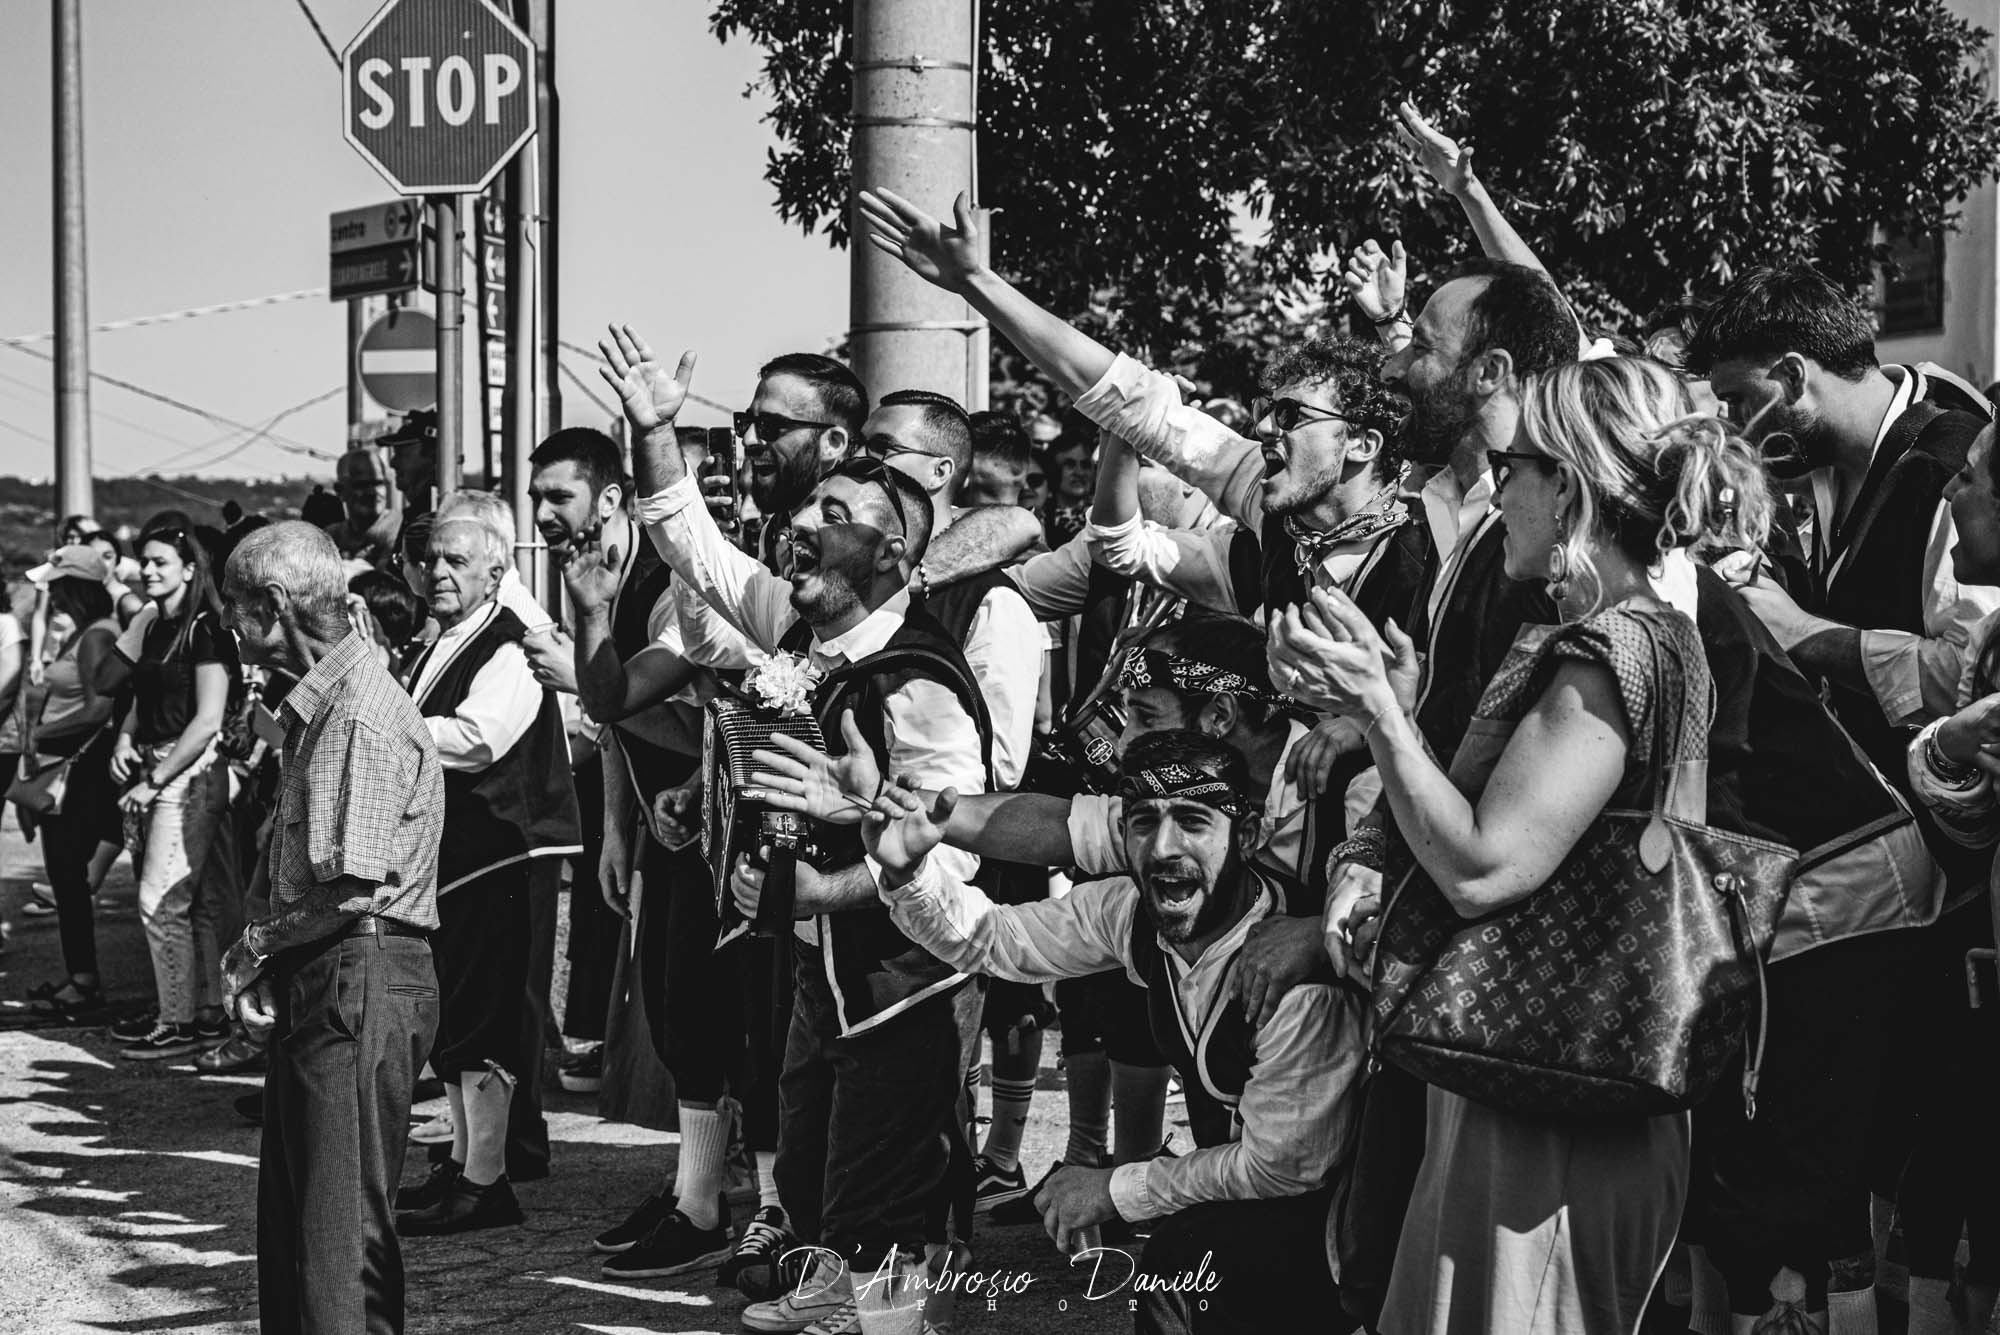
(1214, 1064)
(1265, 570)
(521, 806)
(653, 767)
(875, 971)
(1475, 628)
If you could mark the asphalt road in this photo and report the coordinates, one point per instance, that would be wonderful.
(129, 1190)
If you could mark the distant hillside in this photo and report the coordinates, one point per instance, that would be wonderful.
(28, 518)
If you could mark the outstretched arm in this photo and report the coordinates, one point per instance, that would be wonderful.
(982, 538)
(1449, 163)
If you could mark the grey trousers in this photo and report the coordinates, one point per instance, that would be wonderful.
(356, 1016)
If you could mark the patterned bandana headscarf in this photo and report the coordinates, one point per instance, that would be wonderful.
(1156, 667)
(1186, 783)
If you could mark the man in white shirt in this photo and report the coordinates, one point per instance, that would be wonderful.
(872, 1059)
(1272, 1103)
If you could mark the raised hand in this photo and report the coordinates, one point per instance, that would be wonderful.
(837, 789)
(900, 832)
(1377, 281)
(1448, 161)
(590, 571)
(945, 256)
(650, 396)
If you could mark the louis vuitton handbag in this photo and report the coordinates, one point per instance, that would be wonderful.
(1624, 985)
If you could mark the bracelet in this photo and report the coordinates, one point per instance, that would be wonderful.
(1397, 316)
(1944, 766)
(1376, 718)
(1365, 848)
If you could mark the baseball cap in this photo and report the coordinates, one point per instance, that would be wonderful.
(73, 562)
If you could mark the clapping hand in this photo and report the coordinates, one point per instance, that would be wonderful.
(947, 257)
(590, 571)
(794, 777)
(1377, 281)
(1327, 654)
(551, 659)
(1448, 162)
(1972, 736)
(900, 832)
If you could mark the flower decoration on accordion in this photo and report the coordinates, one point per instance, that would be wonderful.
(784, 682)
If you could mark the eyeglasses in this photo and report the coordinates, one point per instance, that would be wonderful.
(770, 426)
(872, 470)
(1289, 414)
(888, 447)
(1036, 480)
(1502, 463)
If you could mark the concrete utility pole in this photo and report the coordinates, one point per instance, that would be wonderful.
(447, 211)
(73, 489)
(913, 132)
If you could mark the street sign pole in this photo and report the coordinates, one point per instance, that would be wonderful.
(450, 340)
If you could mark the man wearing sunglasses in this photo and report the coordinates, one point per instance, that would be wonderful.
(872, 1057)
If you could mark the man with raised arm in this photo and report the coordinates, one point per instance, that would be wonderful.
(1271, 1100)
(871, 1068)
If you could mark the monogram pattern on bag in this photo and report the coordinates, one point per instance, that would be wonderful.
(1611, 990)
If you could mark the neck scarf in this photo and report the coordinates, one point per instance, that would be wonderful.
(1384, 514)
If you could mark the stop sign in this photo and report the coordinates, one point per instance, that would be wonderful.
(398, 361)
(438, 94)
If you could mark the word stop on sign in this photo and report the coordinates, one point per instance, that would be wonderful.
(456, 91)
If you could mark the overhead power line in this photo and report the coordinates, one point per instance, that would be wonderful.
(320, 32)
(169, 317)
(597, 358)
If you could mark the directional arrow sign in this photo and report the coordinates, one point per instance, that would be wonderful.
(399, 220)
(376, 271)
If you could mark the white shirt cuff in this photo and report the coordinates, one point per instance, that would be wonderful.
(1893, 664)
(1130, 1194)
(1095, 841)
(665, 504)
(1094, 531)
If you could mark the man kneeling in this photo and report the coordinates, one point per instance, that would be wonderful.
(1240, 1237)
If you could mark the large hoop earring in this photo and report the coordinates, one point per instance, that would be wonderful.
(1559, 571)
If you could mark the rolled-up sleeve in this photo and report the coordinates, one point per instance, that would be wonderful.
(749, 597)
(1916, 677)
(1294, 1124)
(1190, 564)
(1094, 837)
(498, 709)
(357, 793)
(1964, 807)
(1145, 409)
(1082, 933)
(1056, 584)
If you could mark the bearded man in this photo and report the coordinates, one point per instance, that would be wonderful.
(1271, 1103)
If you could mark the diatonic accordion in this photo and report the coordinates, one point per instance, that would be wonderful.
(734, 825)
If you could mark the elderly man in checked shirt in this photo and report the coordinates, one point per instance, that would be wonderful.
(337, 966)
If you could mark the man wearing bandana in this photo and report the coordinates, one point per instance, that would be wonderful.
(1237, 1232)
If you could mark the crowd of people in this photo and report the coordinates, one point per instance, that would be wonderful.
(1287, 752)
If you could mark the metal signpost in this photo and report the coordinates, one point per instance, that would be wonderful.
(438, 95)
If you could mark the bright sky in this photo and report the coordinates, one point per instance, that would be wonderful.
(213, 156)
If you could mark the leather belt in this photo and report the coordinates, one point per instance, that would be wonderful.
(373, 925)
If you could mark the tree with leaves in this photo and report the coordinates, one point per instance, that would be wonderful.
(1647, 150)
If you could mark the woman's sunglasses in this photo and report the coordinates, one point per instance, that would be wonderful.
(1503, 463)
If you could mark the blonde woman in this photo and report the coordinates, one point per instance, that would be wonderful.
(1521, 1224)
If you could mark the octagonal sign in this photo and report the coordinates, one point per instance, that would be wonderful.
(438, 94)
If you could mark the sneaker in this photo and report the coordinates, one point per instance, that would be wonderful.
(237, 1055)
(134, 1028)
(464, 1209)
(163, 1042)
(435, 1186)
(994, 1185)
(821, 1301)
(755, 1267)
(1021, 1208)
(674, 1247)
(623, 1236)
(40, 901)
(437, 1131)
(212, 1030)
(583, 1072)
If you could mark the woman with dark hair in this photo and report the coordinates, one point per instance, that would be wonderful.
(182, 665)
(76, 720)
(392, 618)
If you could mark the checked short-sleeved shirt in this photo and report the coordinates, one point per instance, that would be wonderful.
(361, 793)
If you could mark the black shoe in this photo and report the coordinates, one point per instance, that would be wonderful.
(239, 1054)
(994, 1185)
(136, 1027)
(754, 1267)
(211, 1031)
(674, 1247)
(426, 1090)
(164, 1042)
(622, 1237)
(1021, 1209)
(250, 1108)
(436, 1184)
(464, 1209)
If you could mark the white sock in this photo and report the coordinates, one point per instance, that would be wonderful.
(1930, 1307)
(767, 1179)
(698, 1174)
(1851, 1313)
(1011, 1099)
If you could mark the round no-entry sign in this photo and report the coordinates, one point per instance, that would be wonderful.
(398, 361)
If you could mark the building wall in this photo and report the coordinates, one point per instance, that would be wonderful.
(1967, 342)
